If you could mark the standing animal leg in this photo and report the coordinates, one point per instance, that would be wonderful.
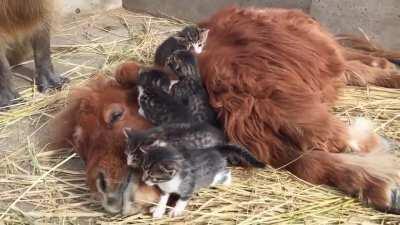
(7, 93)
(45, 78)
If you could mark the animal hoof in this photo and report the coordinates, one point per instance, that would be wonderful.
(53, 82)
(8, 97)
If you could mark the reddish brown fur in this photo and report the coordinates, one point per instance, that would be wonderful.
(20, 19)
(261, 88)
(272, 76)
(367, 63)
(366, 48)
(126, 73)
(100, 143)
(361, 74)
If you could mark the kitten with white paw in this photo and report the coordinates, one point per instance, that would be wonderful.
(191, 38)
(183, 171)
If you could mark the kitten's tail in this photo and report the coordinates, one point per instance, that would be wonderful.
(239, 156)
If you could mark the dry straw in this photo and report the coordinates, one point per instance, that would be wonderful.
(38, 186)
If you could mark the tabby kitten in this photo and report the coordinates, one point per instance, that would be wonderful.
(193, 136)
(189, 89)
(155, 104)
(183, 171)
(190, 38)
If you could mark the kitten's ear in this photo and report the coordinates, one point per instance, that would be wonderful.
(204, 30)
(180, 39)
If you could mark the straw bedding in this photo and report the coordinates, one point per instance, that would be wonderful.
(42, 186)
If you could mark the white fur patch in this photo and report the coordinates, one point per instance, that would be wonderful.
(171, 186)
(228, 180)
(77, 135)
(141, 112)
(129, 159)
(178, 209)
(171, 84)
(159, 210)
(159, 143)
(197, 48)
(223, 177)
(149, 183)
(140, 89)
(359, 131)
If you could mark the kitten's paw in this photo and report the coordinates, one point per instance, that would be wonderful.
(228, 179)
(152, 209)
(176, 212)
(179, 209)
(158, 211)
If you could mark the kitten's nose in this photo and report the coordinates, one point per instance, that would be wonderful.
(197, 49)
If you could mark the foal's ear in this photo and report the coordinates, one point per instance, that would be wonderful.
(86, 105)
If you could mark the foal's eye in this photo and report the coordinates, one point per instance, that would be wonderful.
(115, 116)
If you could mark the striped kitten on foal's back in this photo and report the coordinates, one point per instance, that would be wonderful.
(190, 38)
(189, 89)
